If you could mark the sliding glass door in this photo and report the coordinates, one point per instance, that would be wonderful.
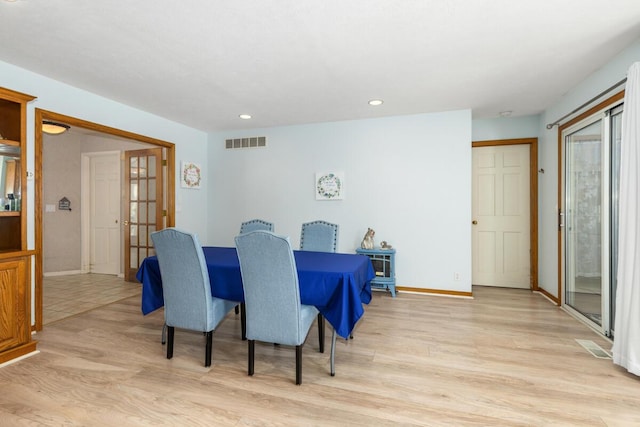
(583, 221)
(591, 150)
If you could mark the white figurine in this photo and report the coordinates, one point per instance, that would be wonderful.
(367, 242)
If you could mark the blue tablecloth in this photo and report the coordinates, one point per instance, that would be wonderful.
(337, 284)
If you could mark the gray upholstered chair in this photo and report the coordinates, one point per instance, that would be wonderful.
(255, 224)
(188, 303)
(272, 294)
(319, 236)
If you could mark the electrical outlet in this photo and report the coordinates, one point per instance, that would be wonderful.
(456, 277)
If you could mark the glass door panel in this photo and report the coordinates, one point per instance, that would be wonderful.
(583, 227)
(145, 202)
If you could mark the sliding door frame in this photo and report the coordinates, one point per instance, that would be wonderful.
(607, 104)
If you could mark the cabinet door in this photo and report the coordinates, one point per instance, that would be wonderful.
(14, 324)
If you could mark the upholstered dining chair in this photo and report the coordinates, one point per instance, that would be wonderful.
(252, 225)
(272, 294)
(255, 224)
(188, 303)
(319, 236)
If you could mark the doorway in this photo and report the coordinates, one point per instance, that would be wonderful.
(41, 115)
(504, 223)
(590, 159)
(101, 216)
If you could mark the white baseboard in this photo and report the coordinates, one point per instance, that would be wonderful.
(64, 273)
(73, 272)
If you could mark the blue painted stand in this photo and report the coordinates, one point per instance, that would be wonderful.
(384, 264)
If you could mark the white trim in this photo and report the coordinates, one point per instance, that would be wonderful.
(428, 294)
(64, 273)
(584, 320)
(17, 359)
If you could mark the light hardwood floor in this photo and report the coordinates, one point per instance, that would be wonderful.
(65, 296)
(505, 358)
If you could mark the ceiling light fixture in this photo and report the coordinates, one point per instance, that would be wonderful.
(53, 128)
(376, 102)
(245, 116)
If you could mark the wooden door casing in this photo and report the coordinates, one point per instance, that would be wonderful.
(531, 193)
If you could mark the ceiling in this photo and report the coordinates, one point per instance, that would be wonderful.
(287, 62)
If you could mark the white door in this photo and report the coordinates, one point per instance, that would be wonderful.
(105, 213)
(501, 216)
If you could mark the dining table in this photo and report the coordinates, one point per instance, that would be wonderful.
(337, 284)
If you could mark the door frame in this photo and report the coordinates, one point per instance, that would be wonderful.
(41, 115)
(533, 199)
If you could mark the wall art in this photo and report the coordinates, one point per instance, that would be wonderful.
(330, 186)
(191, 175)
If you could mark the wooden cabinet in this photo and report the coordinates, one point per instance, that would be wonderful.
(384, 265)
(15, 311)
(15, 266)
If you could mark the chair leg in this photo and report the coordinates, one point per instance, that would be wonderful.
(252, 347)
(243, 321)
(333, 353)
(164, 334)
(321, 331)
(237, 309)
(170, 333)
(209, 347)
(298, 364)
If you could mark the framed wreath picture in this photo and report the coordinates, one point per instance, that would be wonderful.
(330, 186)
(191, 175)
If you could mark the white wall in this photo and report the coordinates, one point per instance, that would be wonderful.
(407, 177)
(505, 128)
(191, 144)
(599, 81)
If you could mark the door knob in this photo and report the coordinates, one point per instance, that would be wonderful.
(474, 222)
(126, 222)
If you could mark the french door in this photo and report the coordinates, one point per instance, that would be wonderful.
(589, 224)
(144, 207)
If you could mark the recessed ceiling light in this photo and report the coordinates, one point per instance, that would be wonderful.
(245, 116)
(376, 102)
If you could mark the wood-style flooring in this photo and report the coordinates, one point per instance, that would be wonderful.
(505, 358)
(65, 296)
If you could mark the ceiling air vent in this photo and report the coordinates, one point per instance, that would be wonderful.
(250, 142)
